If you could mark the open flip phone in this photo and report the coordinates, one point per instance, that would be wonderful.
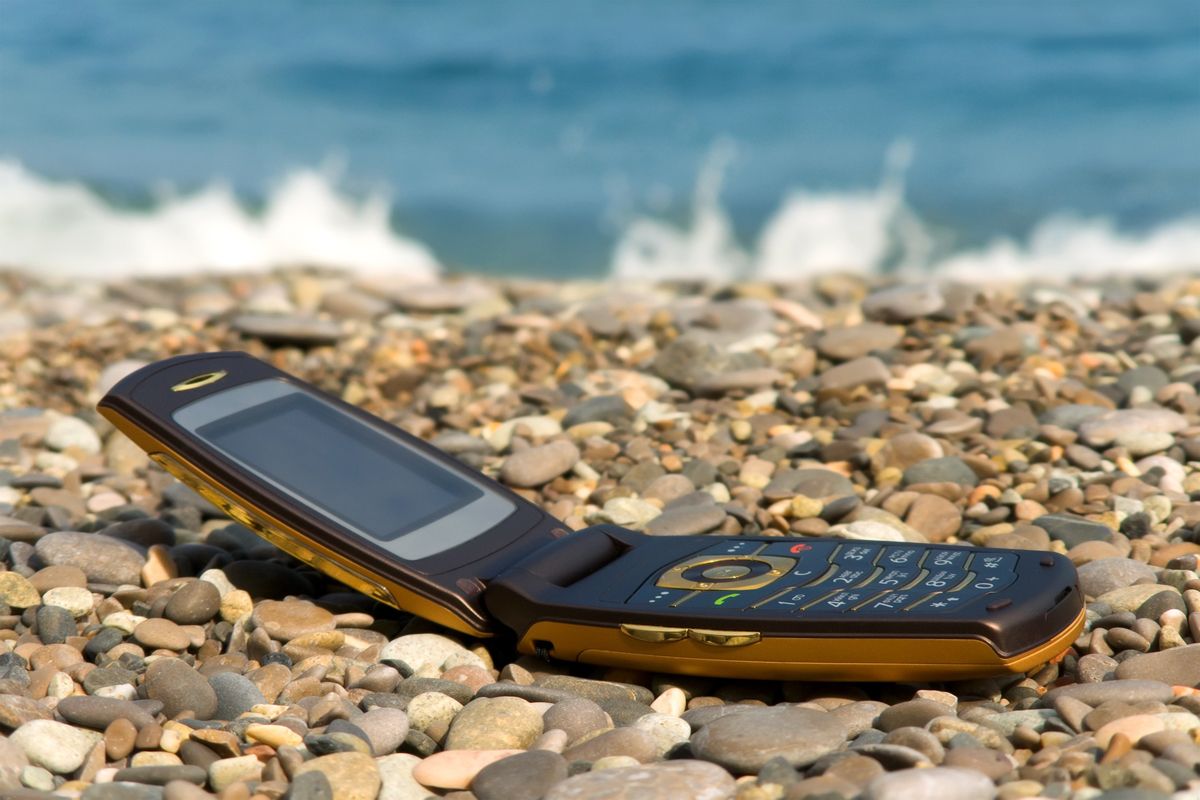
(404, 523)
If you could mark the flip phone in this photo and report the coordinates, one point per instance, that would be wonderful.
(404, 523)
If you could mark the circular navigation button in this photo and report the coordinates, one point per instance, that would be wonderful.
(726, 572)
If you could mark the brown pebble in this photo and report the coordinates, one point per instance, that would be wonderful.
(161, 634)
(184, 790)
(58, 575)
(119, 738)
(149, 737)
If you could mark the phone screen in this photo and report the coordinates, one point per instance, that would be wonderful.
(333, 462)
(356, 474)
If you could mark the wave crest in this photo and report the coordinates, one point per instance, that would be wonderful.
(64, 228)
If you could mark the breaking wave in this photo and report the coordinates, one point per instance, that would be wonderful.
(65, 228)
(875, 230)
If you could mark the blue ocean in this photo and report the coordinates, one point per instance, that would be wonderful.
(586, 139)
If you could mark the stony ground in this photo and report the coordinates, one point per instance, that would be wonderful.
(150, 648)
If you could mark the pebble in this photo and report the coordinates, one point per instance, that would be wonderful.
(284, 620)
(224, 772)
(907, 784)
(17, 591)
(524, 776)
(56, 746)
(179, 688)
(1102, 430)
(537, 465)
(744, 742)
(499, 723)
(385, 729)
(236, 694)
(1105, 574)
(1179, 666)
(846, 344)
(99, 713)
(72, 433)
(686, 521)
(455, 769)
(194, 603)
(102, 558)
(672, 780)
(161, 633)
(396, 778)
(422, 651)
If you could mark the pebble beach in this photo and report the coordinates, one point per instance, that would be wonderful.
(152, 648)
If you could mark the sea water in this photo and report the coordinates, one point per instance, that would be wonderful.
(716, 140)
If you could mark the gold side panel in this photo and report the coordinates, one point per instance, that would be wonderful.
(289, 539)
(785, 658)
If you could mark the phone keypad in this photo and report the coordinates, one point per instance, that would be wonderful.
(820, 576)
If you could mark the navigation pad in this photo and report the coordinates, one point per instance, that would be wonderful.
(829, 576)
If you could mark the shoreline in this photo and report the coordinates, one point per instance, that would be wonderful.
(1017, 416)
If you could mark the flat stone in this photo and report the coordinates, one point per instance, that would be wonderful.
(159, 633)
(103, 559)
(914, 713)
(16, 710)
(194, 603)
(351, 776)
(953, 782)
(1102, 430)
(629, 742)
(525, 776)
(867, 371)
(422, 651)
(535, 466)
(500, 723)
(671, 780)
(75, 600)
(1072, 530)
(179, 688)
(161, 775)
(283, 329)
(1123, 690)
(396, 775)
(845, 344)
(284, 620)
(904, 303)
(947, 469)
(72, 433)
(744, 742)
(1105, 574)
(455, 769)
(385, 729)
(577, 717)
(1130, 598)
(55, 746)
(100, 712)
(236, 694)
(1179, 666)
(225, 772)
(17, 592)
(686, 521)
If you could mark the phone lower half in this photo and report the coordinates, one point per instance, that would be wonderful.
(788, 608)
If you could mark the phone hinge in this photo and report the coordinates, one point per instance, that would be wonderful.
(571, 558)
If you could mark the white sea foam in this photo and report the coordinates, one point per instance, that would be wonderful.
(65, 229)
(875, 230)
(62, 228)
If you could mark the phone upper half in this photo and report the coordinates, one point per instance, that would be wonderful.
(332, 473)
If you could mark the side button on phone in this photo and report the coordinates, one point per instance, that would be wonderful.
(724, 638)
(653, 633)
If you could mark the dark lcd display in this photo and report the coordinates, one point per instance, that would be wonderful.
(356, 474)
